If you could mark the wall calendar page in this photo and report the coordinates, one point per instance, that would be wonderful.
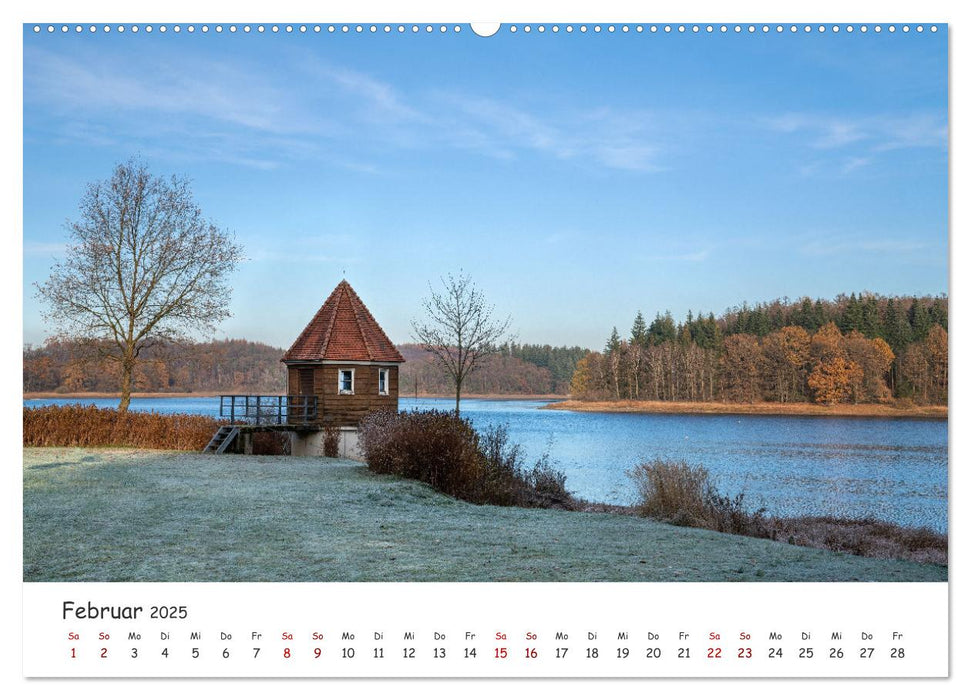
(519, 630)
(360, 349)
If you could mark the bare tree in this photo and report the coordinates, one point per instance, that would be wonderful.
(459, 329)
(142, 266)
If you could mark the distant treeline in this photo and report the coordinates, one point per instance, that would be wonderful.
(241, 366)
(857, 348)
(513, 369)
(219, 366)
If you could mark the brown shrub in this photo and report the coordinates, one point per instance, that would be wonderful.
(671, 491)
(431, 446)
(332, 441)
(681, 494)
(444, 451)
(88, 426)
(547, 486)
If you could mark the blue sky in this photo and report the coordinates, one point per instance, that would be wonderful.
(577, 177)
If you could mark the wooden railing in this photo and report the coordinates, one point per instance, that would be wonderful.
(268, 410)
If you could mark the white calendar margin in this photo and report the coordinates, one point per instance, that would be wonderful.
(226, 623)
(440, 10)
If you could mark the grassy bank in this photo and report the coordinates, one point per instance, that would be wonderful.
(124, 515)
(763, 409)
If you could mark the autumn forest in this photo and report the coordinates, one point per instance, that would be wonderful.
(853, 349)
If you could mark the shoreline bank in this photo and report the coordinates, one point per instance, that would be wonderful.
(754, 409)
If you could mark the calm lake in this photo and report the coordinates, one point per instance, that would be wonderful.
(892, 469)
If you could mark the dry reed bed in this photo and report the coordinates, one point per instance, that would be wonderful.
(89, 426)
(865, 537)
(681, 494)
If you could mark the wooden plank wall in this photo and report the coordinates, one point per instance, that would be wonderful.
(334, 408)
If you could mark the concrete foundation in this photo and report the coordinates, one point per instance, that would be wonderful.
(311, 444)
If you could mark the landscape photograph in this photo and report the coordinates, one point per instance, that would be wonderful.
(567, 302)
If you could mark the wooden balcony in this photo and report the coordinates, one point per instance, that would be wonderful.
(244, 409)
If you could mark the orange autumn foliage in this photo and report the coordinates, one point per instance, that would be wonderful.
(786, 355)
(832, 381)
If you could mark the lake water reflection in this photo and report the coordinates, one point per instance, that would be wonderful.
(891, 469)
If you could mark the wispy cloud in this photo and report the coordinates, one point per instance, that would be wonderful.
(879, 132)
(242, 112)
(381, 101)
(854, 163)
(192, 107)
(865, 138)
(509, 123)
(218, 91)
(917, 131)
(825, 132)
(183, 108)
(603, 137)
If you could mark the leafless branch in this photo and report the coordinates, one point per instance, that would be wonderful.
(142, 266)
(459, 328)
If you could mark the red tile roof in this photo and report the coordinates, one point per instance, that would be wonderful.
(343, 329)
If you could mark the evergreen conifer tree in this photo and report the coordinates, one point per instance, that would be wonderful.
(920, 320)
(638, 332)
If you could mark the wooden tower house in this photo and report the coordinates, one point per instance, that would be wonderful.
(345, 360)
(340, 368)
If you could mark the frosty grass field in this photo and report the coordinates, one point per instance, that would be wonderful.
(130, 515)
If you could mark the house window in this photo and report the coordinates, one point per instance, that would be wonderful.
(383, 375)
(345, 381)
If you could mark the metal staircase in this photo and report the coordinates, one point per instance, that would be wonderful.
(223, 438)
